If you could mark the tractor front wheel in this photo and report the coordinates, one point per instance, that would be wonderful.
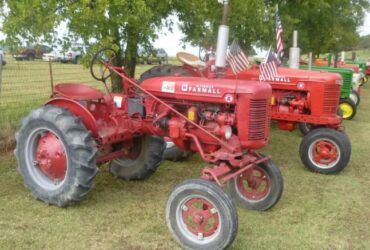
(146, 158)
(200, 215)
(56, 156)
(259, 188)
(325, 150)
(348, 108)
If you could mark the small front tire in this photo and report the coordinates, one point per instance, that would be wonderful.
(259, 188)
(348, 108)
(200, 215)
(325, 151)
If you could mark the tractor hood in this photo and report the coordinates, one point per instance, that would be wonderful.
(205, 90)
(293, 76)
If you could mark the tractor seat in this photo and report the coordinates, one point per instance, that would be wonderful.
(190, 60)
(79, 92)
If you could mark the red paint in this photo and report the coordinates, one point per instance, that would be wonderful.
(289, 126)
(79, 92)
(253, 184)
(324, 152)
(51, 157)
(200, 217)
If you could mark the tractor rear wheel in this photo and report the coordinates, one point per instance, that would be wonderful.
(348, 108)
(174, 153)
(146, 160)
(164, 70)
(325, 150)
(200, 215)
(56, 156)
(355, 97)
(258, 189)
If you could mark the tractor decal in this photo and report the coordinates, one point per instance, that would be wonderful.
(204, 89)
(168, 87)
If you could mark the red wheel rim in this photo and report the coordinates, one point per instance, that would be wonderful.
(254, 184)
(324, 152)
(51, 157)
(200, 217)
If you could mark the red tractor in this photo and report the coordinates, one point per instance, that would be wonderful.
(308, 99)
(60, 144)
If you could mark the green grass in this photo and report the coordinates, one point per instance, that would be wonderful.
(315, 212)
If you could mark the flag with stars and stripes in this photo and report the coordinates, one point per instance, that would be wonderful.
(279, 38)
(236, 58)
(268, 68)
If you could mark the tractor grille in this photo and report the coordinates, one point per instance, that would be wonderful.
(258, 119)
(347, 84)
(331, 98)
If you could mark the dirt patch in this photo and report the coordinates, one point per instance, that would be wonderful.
(7, 138)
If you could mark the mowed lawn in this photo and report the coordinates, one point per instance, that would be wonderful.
(315, 212)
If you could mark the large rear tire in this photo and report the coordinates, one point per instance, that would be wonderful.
(56, 156)
(164, 70)
(200, 215)
(325, 151)
(174, 153)
(258, 189)
(147, 160)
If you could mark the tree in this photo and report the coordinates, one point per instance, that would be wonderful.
(323, 25)
(121, 24)
(201, 18)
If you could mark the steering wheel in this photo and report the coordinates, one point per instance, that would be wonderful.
(102, 57)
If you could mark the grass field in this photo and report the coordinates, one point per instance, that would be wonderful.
(315, 212)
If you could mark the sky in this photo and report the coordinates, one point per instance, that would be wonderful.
(171, 41)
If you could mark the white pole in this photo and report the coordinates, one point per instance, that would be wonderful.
(294, 53)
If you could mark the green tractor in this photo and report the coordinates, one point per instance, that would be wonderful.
(348, 97)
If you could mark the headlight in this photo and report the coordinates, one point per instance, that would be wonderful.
(228, 132)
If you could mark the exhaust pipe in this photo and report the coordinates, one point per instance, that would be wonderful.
(223, 37)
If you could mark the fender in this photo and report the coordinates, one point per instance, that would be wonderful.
(79, 110)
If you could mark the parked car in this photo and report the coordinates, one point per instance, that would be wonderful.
(73, 55)
(162, 54)
(31, 52)
(151, 56)
(2, 57)
(54, 56)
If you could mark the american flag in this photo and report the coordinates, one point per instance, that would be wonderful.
(279, 38)
(268, 68)
(236, 58)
